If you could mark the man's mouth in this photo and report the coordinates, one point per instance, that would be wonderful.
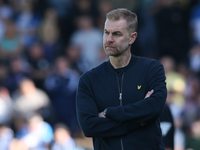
(109, 46)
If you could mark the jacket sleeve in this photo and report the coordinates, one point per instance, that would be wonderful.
(149, 108)
(87, 113)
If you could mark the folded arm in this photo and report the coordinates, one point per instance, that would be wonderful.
(93, 125)
(148, 109)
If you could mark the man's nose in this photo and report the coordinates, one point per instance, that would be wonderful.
(110, 38)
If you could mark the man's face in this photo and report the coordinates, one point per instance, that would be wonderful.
(116, 39)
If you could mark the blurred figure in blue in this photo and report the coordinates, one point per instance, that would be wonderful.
(6, 107)
(61, 86)
(194, 59)
(38, 64)
(63, 139)
(27, 22)
(195, 23)
(17, 70)
(6, 136)
(6, 13)
(6, 112)
(36, 133)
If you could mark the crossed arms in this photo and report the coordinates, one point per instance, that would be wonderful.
(123, 119)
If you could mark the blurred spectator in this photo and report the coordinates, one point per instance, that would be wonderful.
(195, 23)
(29, 99)
(193, 140)
(27, 22)
(37, 134)
(176, 87)
(3, 73)
(5, 10)
(191, 109)
(89, 40)
(167, 128)
(87, 8)
(2, 28)
(10, 44)
(17, 145)
(175, 80)
(147, 42)
(61, 86)
(72, 53)
(49, 34)
(62, 7)
(84, 8)
(6, 107)
(5, 13)
(6, 136)
(38, 63)
(172, 29)
(65, 10)
(62, 138)
(194, 58)
(104, 7)
(18, 70)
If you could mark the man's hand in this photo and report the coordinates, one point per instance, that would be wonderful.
(149, 93)
(101, 114)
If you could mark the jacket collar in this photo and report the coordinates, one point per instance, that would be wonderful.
(131, 63)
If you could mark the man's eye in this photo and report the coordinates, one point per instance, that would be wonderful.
(116, 34)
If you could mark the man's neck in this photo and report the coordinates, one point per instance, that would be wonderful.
(120, 61)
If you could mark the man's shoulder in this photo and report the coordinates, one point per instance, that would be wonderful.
(148, 61)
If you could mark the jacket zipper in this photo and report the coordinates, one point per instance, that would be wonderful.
(120, 97)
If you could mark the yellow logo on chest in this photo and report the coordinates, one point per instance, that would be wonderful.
(139, 87)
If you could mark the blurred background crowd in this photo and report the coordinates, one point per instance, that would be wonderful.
(45, 45)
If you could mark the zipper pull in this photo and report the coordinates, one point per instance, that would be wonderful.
(120, 96)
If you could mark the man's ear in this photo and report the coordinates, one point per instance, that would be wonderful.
(133, 37)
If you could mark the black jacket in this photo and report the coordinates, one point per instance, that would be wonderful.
(122, 130)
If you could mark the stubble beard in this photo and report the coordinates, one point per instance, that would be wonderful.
(117, 50)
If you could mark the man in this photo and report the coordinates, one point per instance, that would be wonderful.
(120, 101)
